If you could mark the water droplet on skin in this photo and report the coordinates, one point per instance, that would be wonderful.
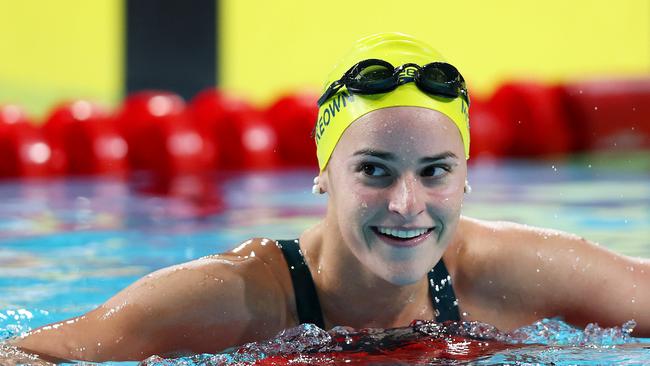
(537, 270)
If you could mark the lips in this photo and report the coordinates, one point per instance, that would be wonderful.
(402, 237)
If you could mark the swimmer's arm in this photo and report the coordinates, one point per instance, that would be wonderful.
(540, 273)
(598, 285)
(201, 306)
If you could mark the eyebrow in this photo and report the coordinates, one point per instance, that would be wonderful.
(392, 157)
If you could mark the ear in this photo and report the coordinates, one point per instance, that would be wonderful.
(323, 180)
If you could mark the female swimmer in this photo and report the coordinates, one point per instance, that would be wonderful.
(393, 141)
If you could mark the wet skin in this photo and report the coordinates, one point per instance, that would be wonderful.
(397, 168)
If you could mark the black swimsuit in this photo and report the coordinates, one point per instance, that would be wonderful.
(309, 311)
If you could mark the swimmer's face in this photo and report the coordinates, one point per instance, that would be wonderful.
(397, 172)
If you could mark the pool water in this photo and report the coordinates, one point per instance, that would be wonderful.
(67, 245)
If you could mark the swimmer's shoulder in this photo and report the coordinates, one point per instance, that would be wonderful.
(236, 295)
(482, 240)
(260, 265)
(507, 273)
(503, 249)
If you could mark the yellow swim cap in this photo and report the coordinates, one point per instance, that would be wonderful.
(338, 112)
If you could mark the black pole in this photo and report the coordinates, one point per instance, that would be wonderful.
(171, 45)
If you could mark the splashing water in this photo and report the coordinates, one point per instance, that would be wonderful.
(429, 343)
(422, 343)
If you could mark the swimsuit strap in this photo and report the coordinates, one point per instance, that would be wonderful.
(307, 302)
(308, 306)
(442, 294)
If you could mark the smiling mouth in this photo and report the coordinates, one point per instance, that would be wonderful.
(399, 234)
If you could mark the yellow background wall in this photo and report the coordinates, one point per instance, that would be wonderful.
(56, 49)
(51, 50)
(272, 46)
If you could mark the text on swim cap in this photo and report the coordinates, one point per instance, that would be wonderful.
(338, 102)
(407, 75)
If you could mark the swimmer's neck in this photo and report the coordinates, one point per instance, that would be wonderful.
(350, 294)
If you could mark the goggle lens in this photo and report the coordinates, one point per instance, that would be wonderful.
(437, 74)
(441, 78)
(372, 79)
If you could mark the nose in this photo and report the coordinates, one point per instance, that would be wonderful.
(406, 197)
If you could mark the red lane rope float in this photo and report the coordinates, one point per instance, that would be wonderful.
(24, 150)
(161, 136)
(243, 136)
(419, 344)
(421, 352)
(84, 140)
(537, 114)
(609, 114)
(490, 136)
(155, 131)
(293, 117)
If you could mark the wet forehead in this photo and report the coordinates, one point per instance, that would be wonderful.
(403, 130)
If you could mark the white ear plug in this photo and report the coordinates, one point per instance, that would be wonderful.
(468, 188)
(315, 189)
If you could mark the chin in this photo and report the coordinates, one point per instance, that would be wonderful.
(402, 274)
(403, 280)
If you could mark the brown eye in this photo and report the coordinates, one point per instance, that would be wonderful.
(435, 171)
(373, 170)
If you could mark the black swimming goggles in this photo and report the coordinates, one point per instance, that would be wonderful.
(375, 76)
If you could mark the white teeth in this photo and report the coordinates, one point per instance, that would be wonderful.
(404, 234)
